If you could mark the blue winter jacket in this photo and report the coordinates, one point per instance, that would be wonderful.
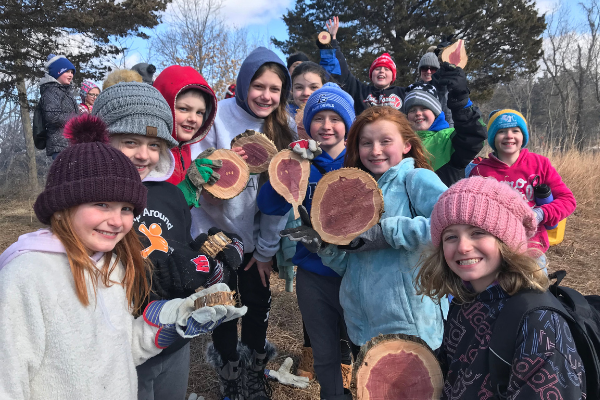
(377, 292)
(271, 203)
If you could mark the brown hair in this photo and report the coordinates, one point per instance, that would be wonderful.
(277, 126)
(518, 270)
(128, 250)
(373, 114)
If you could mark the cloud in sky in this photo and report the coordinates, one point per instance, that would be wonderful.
(242, 13)
(546, 6)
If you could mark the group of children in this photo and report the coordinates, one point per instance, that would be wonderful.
(113, 280)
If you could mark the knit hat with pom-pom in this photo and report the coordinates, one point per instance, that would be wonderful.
(487, 204)
(90, 170)
(384, 60)
(58, 65)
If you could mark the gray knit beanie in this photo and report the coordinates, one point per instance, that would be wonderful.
(421, 94)
(135, 108)
(429, 60)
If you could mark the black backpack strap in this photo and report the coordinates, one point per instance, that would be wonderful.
(319, 168)
(506, 330)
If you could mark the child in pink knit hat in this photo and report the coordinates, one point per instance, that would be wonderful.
(479, 230)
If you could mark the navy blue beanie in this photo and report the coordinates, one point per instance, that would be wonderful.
(329, 97)
(58, 65)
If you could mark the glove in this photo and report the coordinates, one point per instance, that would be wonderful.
(446, 41)
(283, 375)
(194, 396)
(200, 172)
(372, 239)
(539, 214)
(233, 254)
(455, 80)
(304, 233)
(308, 149)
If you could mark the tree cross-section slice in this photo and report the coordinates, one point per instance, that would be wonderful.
(288, 173)
(397, 367)
(346, 203)
(259, 149)
(234, 175)
(324, 38)
(455, 54)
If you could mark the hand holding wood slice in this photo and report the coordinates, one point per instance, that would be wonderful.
(346, 203)
(259, 149)
(288, 174)
(234, 175)
(397, 367)
(455, 54)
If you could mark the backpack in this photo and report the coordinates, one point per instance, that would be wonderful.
(39, 128)
(582, 314)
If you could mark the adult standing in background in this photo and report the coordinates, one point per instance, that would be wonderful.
(88, 92)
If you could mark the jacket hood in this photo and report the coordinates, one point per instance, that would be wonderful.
(164, 169)
(324, 160)
(251, 64)
(439, 123)
(48, 80)
(176, 78)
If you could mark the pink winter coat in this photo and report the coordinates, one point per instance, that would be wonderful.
(520, 176)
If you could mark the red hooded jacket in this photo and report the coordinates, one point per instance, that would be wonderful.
(170, 83)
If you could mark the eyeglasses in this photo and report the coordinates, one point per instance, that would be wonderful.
(432, 69)
(93, 95)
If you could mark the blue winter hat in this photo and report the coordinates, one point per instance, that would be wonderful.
(329, 97)
(500, 119)
(58, 65)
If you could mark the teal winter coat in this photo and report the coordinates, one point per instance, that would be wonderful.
(377, 292)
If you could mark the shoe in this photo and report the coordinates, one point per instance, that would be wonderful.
(306, 367)
(257, 386)
(231, 374)
(347, 375)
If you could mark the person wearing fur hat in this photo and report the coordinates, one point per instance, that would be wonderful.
(194, 107)
(479, 231)
(121, 75)
(89, 92)
(512, 163)
(450, 149)
(381, 91)
(73, 316)
(140, 124)
(429, 64)
(57, 102)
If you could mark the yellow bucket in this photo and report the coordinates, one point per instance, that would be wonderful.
(556, 235)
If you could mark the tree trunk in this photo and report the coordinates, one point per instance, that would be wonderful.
(28, 132)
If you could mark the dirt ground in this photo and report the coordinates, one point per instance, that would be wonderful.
(578, 255)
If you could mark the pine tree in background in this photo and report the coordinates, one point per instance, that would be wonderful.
(503, 38)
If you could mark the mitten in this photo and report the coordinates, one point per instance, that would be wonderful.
(283, 375)
(304, 233)
(455, 80)
(372, 239)
(199, 173)
(539, 214)
(308, 149)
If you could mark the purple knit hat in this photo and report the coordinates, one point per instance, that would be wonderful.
(488, 204)
(89, 170)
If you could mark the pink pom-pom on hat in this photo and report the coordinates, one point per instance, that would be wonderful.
(487, 204)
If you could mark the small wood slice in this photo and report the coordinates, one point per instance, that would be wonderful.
(302, 134)
(397, 367)
(234, 175)
(288, 173)
(455, 54)
(214, 244)
(215, 299)
(324, 37)
(259, 149)
(346, 203)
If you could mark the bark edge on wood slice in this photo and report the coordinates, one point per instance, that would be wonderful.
(455, 54)
(302, 134)
(288, 174)
(324, 38)
(215, 299)
(258, 147)
(234, 175)
(346, 203)
(214, 244)
(395, 367)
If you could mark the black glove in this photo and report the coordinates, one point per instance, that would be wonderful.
(304, 233)
(446, 41)
(455, 80)
(372, 239)
(233, 254)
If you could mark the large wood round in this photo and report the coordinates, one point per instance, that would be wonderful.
(288, 174)
(346, 203)
(259, 149)
(234, 175)
(455, 54)
(397, 367)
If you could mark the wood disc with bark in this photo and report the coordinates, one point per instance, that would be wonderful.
(234, 175)
(302, 134)
(288, 174)
(324, 37)
(397, 367)
(214, 244)
(215, 299)
(346, 203)
(259, 149)
(455, 54)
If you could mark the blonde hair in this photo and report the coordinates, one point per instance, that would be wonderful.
(518, 270)
(128, 250)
